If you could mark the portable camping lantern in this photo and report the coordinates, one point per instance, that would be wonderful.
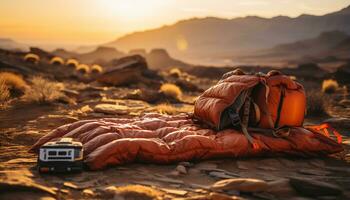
(64, 155)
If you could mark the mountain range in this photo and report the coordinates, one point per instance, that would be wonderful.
(217, 37)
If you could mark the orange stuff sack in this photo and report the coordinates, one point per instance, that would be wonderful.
(285, 102)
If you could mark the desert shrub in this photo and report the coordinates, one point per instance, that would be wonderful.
(83, 69)
(169, 109)
(175, 72)
(317, 103)
(330, 86)
(72, 63)
(96, 69)
(14, 83)
(57, 61)
(43, 91)
(31, 58)
(171, 90)
(4, 93)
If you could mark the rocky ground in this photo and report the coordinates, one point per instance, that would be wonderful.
(22, 123)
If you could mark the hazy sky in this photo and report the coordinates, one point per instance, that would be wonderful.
(76, 22)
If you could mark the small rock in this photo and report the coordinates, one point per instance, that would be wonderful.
(314, 188)
(219, 196)
(181, 169)
(111, 109)
(240, 184)
(174, 173)
(175, 192)
(186, 164)
(88, 192)
(344, 102)
(220, 175)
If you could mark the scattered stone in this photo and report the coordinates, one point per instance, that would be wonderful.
(221, 175)
(181, 169)
(175, 192)
(314, 188)
(313, 172)
(168, 180)
(21, 160)
(344, 102)
(240, 184)
(174, 173)
(111, 109)
(219, 196)
(186, 164)
(88, 192)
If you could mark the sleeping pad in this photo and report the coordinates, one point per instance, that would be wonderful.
(156, 138)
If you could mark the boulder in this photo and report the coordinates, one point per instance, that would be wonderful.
(128, 70)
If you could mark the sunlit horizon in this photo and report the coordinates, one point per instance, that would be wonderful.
(67, 23)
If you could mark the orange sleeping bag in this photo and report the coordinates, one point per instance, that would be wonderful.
(155, 138)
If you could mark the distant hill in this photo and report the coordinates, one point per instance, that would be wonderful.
(328, 46)
(222, 37)
(100, 54)
(9, 44)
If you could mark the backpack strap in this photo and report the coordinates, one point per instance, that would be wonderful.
(245, 120)
(276, 131)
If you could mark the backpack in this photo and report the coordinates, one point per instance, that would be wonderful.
(268, 103)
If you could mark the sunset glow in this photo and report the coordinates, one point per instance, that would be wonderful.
(84, 22)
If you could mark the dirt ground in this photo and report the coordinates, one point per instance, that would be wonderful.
(22, 124)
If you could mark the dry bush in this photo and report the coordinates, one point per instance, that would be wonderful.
(83, 69)
(14, 83)
(175, 72)
(57, 61)
(31, 58)
(330, 86)
(169, 109)
(43, 91)
(171, 90)
(4, 93)
(317, 103)
(96, 69)
(138, 192)
(72, 63)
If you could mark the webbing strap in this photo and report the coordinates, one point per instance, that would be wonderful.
(245, 121)
(276, 131)
(323, 129)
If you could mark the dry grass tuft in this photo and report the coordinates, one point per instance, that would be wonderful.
(4, 93)
(169, 109)
(57, 61)
(138, 192)
(31, 58)
(330, 86)
(317, 104)
(83, 69)
(96, 69)
(43, 91)
(171, 90)
(72, 63)
(175, 72)
(14, 83)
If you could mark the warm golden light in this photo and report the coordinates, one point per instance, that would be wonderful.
(181, 43)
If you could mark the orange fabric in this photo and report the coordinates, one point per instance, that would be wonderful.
(294, 101)
(210, 105)
(165, 139)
